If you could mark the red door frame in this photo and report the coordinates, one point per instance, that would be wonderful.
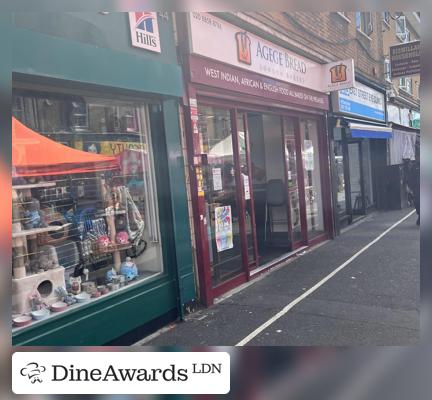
(324, 162)
(241, 203)
(255, 263)
(236, 104)
(285, 138)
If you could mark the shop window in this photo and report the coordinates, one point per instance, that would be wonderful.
(402, 33)
(339, 171)
(406, 84)
(79, 115)
(401, 146)
(386, 18)
(52, 115)
(364, 22)
(367, 174)
(81, 229)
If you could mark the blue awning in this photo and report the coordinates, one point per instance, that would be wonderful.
(370, 131)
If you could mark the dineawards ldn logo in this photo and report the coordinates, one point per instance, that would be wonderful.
(144, 30)
(120, 373)
(33, 371)
(243, 48)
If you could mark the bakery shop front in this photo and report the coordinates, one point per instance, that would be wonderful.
(257, 143)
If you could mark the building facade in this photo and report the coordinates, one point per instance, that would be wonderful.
(101, 241)
(257, 146)
(165, 157)
(403, 109)
(357, 130)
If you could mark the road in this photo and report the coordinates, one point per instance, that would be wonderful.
(363, 288)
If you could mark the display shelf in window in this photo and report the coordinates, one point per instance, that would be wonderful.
(36, 231)
(115, 247)
(114, 212)
(34, 185)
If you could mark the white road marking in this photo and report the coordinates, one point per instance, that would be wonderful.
(288, 307)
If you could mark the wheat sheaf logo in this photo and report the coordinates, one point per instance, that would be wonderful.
(33, 371)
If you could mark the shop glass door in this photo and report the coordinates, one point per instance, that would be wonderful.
(247, 193)
(220, 192)
(312, 177)
(292, 182)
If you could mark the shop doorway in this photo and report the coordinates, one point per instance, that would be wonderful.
(260, 194)
(355, 177)
(269, 186)
(220, 193)
(360, 176)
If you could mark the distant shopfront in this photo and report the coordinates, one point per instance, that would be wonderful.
(359, 147)
(257, 142)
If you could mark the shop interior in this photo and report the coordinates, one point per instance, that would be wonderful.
(85, 213)
(269, 186)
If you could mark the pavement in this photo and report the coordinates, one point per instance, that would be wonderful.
(373, 300)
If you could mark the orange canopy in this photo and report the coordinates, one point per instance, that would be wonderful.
(34, 154)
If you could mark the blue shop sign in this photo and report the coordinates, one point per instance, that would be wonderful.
(360, 101)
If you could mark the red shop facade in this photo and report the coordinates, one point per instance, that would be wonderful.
(257, 150)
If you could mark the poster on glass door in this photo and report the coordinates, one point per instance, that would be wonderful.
(308, 155)
(217, 179)
(246, 187)
(223, 228)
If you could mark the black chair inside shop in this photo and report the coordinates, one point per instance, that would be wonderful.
(275, 197)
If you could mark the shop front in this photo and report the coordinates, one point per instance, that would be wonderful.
(403, 151)
(257, 142)
(100, 244)
(359, 136)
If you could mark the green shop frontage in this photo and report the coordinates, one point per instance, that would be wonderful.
(100, 231)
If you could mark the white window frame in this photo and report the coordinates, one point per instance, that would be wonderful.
(387, 70)
(360, 23)
(401, 31)
(385, 20)
(405, 84)
(343, 15)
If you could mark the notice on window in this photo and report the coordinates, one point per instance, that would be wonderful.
(217, 179)
(246, 186)
(308, 155)
(223, 228)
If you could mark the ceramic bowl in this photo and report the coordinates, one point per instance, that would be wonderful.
(58, 306)
(40, 314)
(22, 320)
(88, 287)
(83, 297)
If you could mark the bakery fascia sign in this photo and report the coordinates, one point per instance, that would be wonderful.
(248, 51)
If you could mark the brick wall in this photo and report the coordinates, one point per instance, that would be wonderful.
(333, 37)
